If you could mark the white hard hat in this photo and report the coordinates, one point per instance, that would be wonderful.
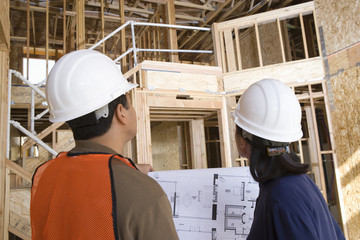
(82, 82)
(270, 110)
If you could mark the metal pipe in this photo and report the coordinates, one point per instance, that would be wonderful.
(110, 35)
(171, 26)
(40, 115)
(18, 75)
(123, 55)
(32, 136)
(8, 117)
(39, 84)
(172, 50)
(134, 42)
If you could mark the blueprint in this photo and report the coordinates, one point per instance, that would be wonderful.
(210, 204)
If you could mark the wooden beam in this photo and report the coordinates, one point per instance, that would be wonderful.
(4, 25)
(64, 26)
(304, 36)
(230, 53)
(47, 38)
(143, 136)
(193, 5)
(209, 17)
(197, 142)
(170, 19)
(30, 142)
(80, 24)
(281, 40)
(271, 16)
(102, 25)
(18, 170)
(4, 68)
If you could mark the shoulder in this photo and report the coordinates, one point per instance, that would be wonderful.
(290, 192)
(133, 181)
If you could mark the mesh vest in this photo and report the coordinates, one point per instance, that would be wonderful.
(72, 198)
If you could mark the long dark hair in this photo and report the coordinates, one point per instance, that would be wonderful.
(264, 167)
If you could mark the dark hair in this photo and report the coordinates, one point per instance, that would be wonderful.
(87, 126)
(264, 168)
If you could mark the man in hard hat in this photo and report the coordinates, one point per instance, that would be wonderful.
(92, 191)
(290, 205)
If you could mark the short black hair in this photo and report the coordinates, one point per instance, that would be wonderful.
(87, 126)
(264, 168)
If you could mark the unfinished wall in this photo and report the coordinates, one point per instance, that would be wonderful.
(338, 23)
(346, 121)
(165, 146)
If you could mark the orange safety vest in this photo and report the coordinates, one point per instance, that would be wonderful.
(72, 197)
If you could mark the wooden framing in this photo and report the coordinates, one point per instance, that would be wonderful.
(207, 90)
(224, 48)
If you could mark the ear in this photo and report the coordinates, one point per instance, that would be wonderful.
(242, 142)
(120, 114)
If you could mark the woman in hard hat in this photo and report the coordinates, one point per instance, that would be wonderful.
(289, 205)
(92, 191)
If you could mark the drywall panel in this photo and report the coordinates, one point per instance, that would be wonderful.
(340, 21)
(291, 72)
(346, 126)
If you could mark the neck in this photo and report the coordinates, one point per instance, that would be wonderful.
(115, 142)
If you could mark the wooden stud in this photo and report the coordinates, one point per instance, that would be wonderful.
(197, 141)
(238, 51)
(33, 27)
(7, 205)
(281, 40)
(102, 25)
(318, 37)
(143, 136)
(47, 38)
(304, 36)
(217, 45)
(316, 130)
(258, 44)
(223, 57)
(224, 132)
(4, 67)
(64, 26)
(27, 38)
(80, 24)
(170, 19)
(229, 46)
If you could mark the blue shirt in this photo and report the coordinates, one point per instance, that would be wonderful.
(292, 207)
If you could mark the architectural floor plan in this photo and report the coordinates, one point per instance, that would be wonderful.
(211, 204)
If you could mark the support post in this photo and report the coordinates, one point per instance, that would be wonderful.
(170, 19)
(80, 24)
(197, 141)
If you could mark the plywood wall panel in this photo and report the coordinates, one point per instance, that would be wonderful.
(346, 123)
(340, 21)
(165, 146)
